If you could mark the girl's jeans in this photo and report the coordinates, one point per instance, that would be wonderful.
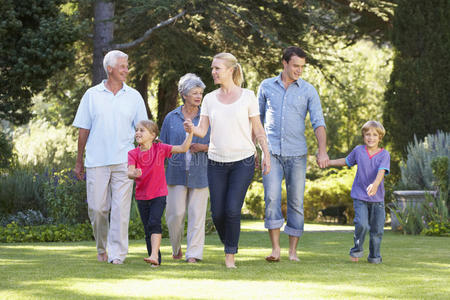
(151, 212)
(369, 217)
(228, 184)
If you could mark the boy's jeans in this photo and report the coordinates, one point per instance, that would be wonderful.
(369, 217)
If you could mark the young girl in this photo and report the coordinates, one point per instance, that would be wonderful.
(368, 190)
(146, 167)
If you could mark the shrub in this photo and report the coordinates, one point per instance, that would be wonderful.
(6, 151)
(26, 218)
(65, 198)
(22, 189)
(331, 190)
(417, 172)
(430, 217)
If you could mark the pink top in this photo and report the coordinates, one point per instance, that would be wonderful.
(152, 182)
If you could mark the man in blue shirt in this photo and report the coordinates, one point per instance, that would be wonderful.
(106, 118)
(284, 102)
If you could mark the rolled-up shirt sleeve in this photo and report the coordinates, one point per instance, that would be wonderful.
(315, 110)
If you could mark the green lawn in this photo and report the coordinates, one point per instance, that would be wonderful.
(414, 267)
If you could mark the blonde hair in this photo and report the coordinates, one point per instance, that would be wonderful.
(231, 62)
(151, 127)
(375, 125)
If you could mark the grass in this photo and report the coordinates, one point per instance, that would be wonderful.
(414, 267)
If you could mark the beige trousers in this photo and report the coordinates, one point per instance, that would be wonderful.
(196, 201)
(109, 193)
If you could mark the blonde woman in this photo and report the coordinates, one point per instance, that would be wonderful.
(233, 114)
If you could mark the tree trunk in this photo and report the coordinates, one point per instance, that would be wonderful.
(142, 87)
(167, 99)
(103, 36)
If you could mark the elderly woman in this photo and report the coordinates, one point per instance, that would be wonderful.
(186, 175)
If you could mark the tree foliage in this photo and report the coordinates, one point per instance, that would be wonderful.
(35, 40)
(418, 98)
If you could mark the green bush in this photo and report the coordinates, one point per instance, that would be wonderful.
(330, 190)
(65, 198)
(6, 151)
(26, 218)
(417, 172)
(22, 189)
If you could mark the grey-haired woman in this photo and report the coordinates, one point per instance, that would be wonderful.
(186, 173)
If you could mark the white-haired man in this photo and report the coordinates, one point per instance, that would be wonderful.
(106, 118)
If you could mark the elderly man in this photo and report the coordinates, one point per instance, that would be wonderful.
(284, 102)
(106, 118)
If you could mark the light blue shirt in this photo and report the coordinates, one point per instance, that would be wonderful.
(111, 120)
(283, 112)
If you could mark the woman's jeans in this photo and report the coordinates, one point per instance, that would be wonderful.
(151, 212)
(369, 217)
(228, 184)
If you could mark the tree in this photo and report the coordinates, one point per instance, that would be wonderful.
(418, 97)
(35, 43)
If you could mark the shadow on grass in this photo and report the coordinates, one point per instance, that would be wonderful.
(412, 266)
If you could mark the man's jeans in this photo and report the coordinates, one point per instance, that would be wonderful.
(228, 184)
(293, 168)
(369, 217)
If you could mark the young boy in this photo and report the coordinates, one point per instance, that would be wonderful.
(368, 190)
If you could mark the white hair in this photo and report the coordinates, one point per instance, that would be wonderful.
(188, 82)
(111, 57)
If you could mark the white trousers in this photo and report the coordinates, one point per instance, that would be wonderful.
(179, 198)
(109, 193)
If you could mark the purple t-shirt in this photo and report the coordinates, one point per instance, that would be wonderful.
(368, 167)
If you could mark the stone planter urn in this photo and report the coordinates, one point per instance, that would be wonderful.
(406, 199)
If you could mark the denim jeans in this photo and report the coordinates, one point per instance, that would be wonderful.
(151, 212)
(228, 184)
(369, 217)
(293, 169)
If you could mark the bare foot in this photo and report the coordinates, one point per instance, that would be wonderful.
(274, 256)
(102, 256)
(354, 259)
(179, 255)
(229, 261)
(293, 257)
(151, 260)
(191, 260)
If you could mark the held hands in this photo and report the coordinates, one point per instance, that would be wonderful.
(322, 160)
(188, 126)
(372, 189)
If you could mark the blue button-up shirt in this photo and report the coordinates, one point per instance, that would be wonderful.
(283, 112)
(172, 132)
(111, 120)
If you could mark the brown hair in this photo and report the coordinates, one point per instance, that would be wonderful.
(376, 125)
(231, 61)
(151, 127)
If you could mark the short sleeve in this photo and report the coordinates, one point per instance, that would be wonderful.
(141, 111)
(253, 109)
(132, 158)
(204, 107)
(385, 162)
(350, 160)
(83, 117)
(166, 150)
